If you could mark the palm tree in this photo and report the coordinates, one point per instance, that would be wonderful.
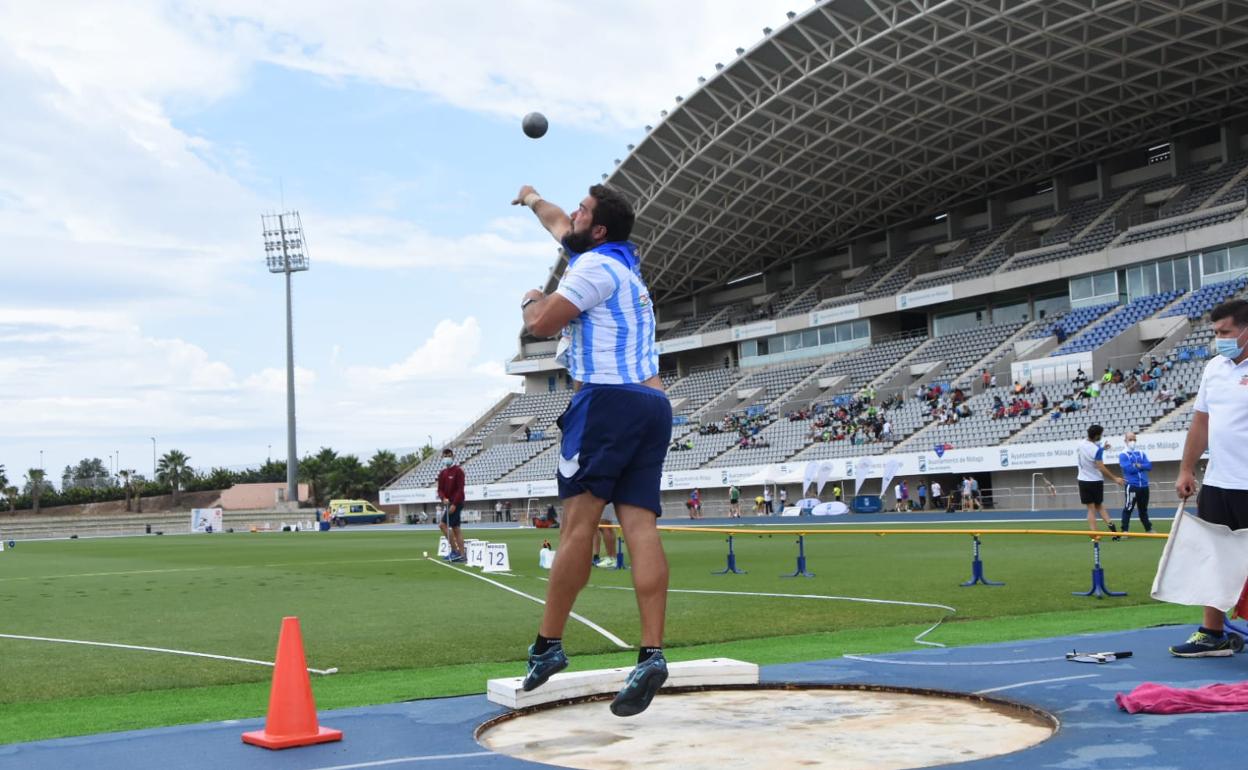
(34, 481)
(174, 471)
(348, 478)
(383, 466)
(4, 480)
(314, 469)
(10, 494)
(125, 486)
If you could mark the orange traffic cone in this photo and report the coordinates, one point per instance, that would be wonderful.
(292, 712)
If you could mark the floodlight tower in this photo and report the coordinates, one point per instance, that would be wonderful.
(284, 252)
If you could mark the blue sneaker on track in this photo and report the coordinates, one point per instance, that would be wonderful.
(1202, 645)
(641, 686)
(450, 556)
(544, 666)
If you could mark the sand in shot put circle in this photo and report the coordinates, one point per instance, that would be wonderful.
(770, 726)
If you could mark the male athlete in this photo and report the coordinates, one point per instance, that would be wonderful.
(451, 493)
(615, 431)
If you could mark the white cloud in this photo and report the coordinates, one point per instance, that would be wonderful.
(384, 243)
(102, 190)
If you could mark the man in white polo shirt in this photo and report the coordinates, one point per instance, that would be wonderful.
(1219, 424)
(1092, 473)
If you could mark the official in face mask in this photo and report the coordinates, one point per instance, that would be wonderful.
(1135, 467)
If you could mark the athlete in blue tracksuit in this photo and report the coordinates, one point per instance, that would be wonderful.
(1135, 467)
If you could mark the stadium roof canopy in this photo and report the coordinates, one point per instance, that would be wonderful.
(859, 115)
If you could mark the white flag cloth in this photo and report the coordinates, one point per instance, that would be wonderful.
(808, 477)
(891, 466)
(1204, 565)
(822, 476)
(864, 469)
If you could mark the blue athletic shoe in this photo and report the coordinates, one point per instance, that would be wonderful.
(544, 666)
(641, 686)
(456, 557)
(450, 556)
(1202, 645)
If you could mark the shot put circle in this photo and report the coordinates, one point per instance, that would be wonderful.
(773, 725)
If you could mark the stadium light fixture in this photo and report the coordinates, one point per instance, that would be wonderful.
(284, 253)
(743, 278)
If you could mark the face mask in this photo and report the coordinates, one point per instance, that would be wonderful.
(1228, 347)
(448, 461)
(1131, 445)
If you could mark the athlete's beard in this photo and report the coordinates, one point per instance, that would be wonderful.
(578, 243)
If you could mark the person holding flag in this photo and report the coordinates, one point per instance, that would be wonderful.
(1135, 467)
(1219, 424)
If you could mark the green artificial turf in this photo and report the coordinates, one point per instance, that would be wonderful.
(399, 626)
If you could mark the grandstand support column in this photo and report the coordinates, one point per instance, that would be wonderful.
(996, 212)
(858, 252)
(772, 280)
(1180, 155)
(1061, 193)
(1230, 139)
(895, 239)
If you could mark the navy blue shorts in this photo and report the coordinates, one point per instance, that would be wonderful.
(615, 439)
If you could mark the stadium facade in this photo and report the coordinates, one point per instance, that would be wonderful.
(891, 198)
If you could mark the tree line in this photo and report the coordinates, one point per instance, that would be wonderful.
(329, 475)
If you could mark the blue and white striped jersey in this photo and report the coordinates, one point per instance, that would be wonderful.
(612, 341)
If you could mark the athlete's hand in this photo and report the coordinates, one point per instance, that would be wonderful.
(1185, 485)
(524, 193)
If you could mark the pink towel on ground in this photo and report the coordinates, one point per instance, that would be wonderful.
(1150, 698)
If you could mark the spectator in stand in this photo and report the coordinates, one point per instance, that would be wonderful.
(1107, 377)
(1060, 332)
(1131, 384)
(985, 378)
(993, 382)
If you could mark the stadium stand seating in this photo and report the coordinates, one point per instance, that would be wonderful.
(775, 382)
(1073, 321)
(1174, 225)
(1201, 301)
(959, 350)
(540, 468)
(426, 473)
(701, 386)
(492, 464)
(1115, 323)
(544, 407)
(863, 366)
(982, 428)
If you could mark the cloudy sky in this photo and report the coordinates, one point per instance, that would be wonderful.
(143, 140)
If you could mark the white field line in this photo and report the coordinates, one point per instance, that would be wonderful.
(405, 760)
(617, 641)
(866, 659)
(918, 639)
(1036, 681)
(217, 568)
(114, 645)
